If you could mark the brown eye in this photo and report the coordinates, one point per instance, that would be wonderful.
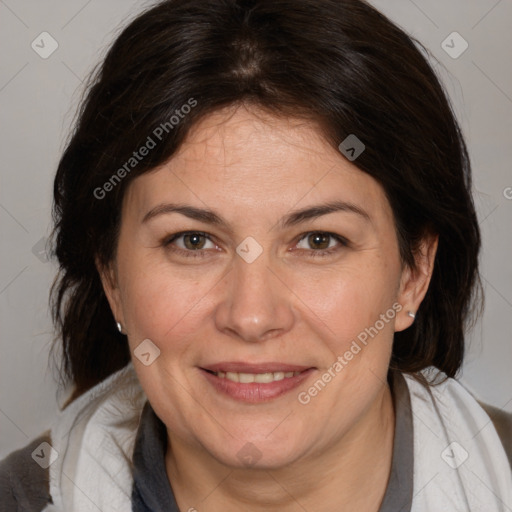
(194, 241)
(319, 240)
(320, 243)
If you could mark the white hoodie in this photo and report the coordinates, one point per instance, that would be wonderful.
(459, 461)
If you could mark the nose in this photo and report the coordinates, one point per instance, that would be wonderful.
(255, 305)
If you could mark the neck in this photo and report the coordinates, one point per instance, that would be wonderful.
(352, 475)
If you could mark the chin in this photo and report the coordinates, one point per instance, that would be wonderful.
(256, 452)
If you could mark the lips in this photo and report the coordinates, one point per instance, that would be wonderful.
(255, 382)
(240, 367)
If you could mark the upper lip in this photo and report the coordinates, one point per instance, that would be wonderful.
(241, 367)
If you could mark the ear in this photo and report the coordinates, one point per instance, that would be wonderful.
(110, 283)
(414, 282)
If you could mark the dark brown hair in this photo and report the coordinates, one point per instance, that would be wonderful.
(339, 63)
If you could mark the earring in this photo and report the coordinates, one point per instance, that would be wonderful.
(411, 314)
(119, 327)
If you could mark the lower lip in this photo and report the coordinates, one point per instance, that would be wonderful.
(256, 392)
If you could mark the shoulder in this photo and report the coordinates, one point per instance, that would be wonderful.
(503, 424)
(442, 387)
(24, 484)
(501, 419)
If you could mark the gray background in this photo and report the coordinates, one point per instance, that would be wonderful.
(38, 98)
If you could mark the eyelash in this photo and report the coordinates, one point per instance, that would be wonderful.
(201, 253)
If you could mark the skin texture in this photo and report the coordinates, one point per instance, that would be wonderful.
(288, 306)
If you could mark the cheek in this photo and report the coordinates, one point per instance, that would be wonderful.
(162, 305)
(347, 303)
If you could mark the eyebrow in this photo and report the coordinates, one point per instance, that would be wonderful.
(292, 219)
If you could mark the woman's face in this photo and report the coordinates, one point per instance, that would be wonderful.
(291, 264)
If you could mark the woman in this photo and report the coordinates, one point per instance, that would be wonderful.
(269, 256)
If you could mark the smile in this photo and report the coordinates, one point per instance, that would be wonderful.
(255, 387)
(262, 378)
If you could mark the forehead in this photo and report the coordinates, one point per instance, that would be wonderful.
(251, 161)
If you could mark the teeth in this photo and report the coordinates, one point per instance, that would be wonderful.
(246, 378)
(262, 378)
(233, 376)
